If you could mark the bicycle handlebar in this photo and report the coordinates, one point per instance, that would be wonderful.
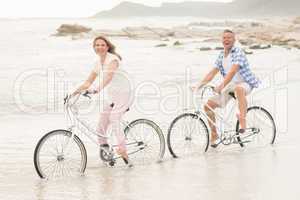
(85, 93)
(204, 87)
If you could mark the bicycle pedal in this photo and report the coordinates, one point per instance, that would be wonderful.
(243, 142)
(106, 155)
(112, 163)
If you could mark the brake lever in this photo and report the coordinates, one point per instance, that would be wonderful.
(66, 99)
(86, 94)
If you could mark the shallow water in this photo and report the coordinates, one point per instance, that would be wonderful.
(225, 172)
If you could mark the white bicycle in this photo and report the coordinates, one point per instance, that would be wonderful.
(61, 153)
(189, 133)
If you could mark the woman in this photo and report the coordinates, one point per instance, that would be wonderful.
(115, 82)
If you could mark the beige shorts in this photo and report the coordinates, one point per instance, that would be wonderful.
(223, 98)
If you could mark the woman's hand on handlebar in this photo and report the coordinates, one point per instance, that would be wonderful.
(92, 91)
(89, 91)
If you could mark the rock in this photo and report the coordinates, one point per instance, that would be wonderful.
(108, 33)
(264, 36)
(260, 46)
(248, 51)
(296, 20)
(205, 24)
(255, 46)
(139, 32)
(165, 39)
(177, 43)
(145, 32)
(265, 46)
(246, 41)
(241, 26)
(160, 32)
(219, 48)
(212, 40)
(295, 44)
(161, 45)
(255, 24)
(68, 29)
(282, 41)
(78, 36)
(284, 33)
(205, 48)
(171, 34)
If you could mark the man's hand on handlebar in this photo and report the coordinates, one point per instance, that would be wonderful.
(218, 89)
(196, 87)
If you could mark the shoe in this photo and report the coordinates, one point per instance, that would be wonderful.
(241, 131)
(216, 143)
(128, 162)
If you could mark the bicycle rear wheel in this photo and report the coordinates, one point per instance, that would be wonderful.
(144, 141)
(57, 154)
(262, 126)
(187, 135)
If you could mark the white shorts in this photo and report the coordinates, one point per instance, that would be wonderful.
(223, 98)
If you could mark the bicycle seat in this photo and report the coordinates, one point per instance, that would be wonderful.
(232, 94)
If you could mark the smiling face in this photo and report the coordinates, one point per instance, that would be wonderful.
(100, 47)
(228, 40)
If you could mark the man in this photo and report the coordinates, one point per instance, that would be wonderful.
(237, 77)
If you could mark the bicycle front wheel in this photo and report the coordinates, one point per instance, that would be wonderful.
(187, 135)
(144, 141)
(58, 154)
(262, 128)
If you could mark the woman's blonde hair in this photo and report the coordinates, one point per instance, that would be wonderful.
(111, 47)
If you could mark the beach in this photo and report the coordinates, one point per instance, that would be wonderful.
(38, 69)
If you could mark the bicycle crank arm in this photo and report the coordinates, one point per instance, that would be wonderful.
(241, 142)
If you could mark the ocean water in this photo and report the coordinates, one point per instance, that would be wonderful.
(37, 70)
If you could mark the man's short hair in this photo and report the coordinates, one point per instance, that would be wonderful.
(228, 31)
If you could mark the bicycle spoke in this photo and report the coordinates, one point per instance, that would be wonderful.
(260, 120)
(59, 155)
(187, 135)
(148, 148)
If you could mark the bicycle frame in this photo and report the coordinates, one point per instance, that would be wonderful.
(81, 125)
(224, 123)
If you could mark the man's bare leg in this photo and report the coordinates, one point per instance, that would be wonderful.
(209, 109)
(242, 101)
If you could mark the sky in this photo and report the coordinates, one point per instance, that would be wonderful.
(67, 8)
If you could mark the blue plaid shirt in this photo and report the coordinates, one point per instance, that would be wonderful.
(238, 57)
